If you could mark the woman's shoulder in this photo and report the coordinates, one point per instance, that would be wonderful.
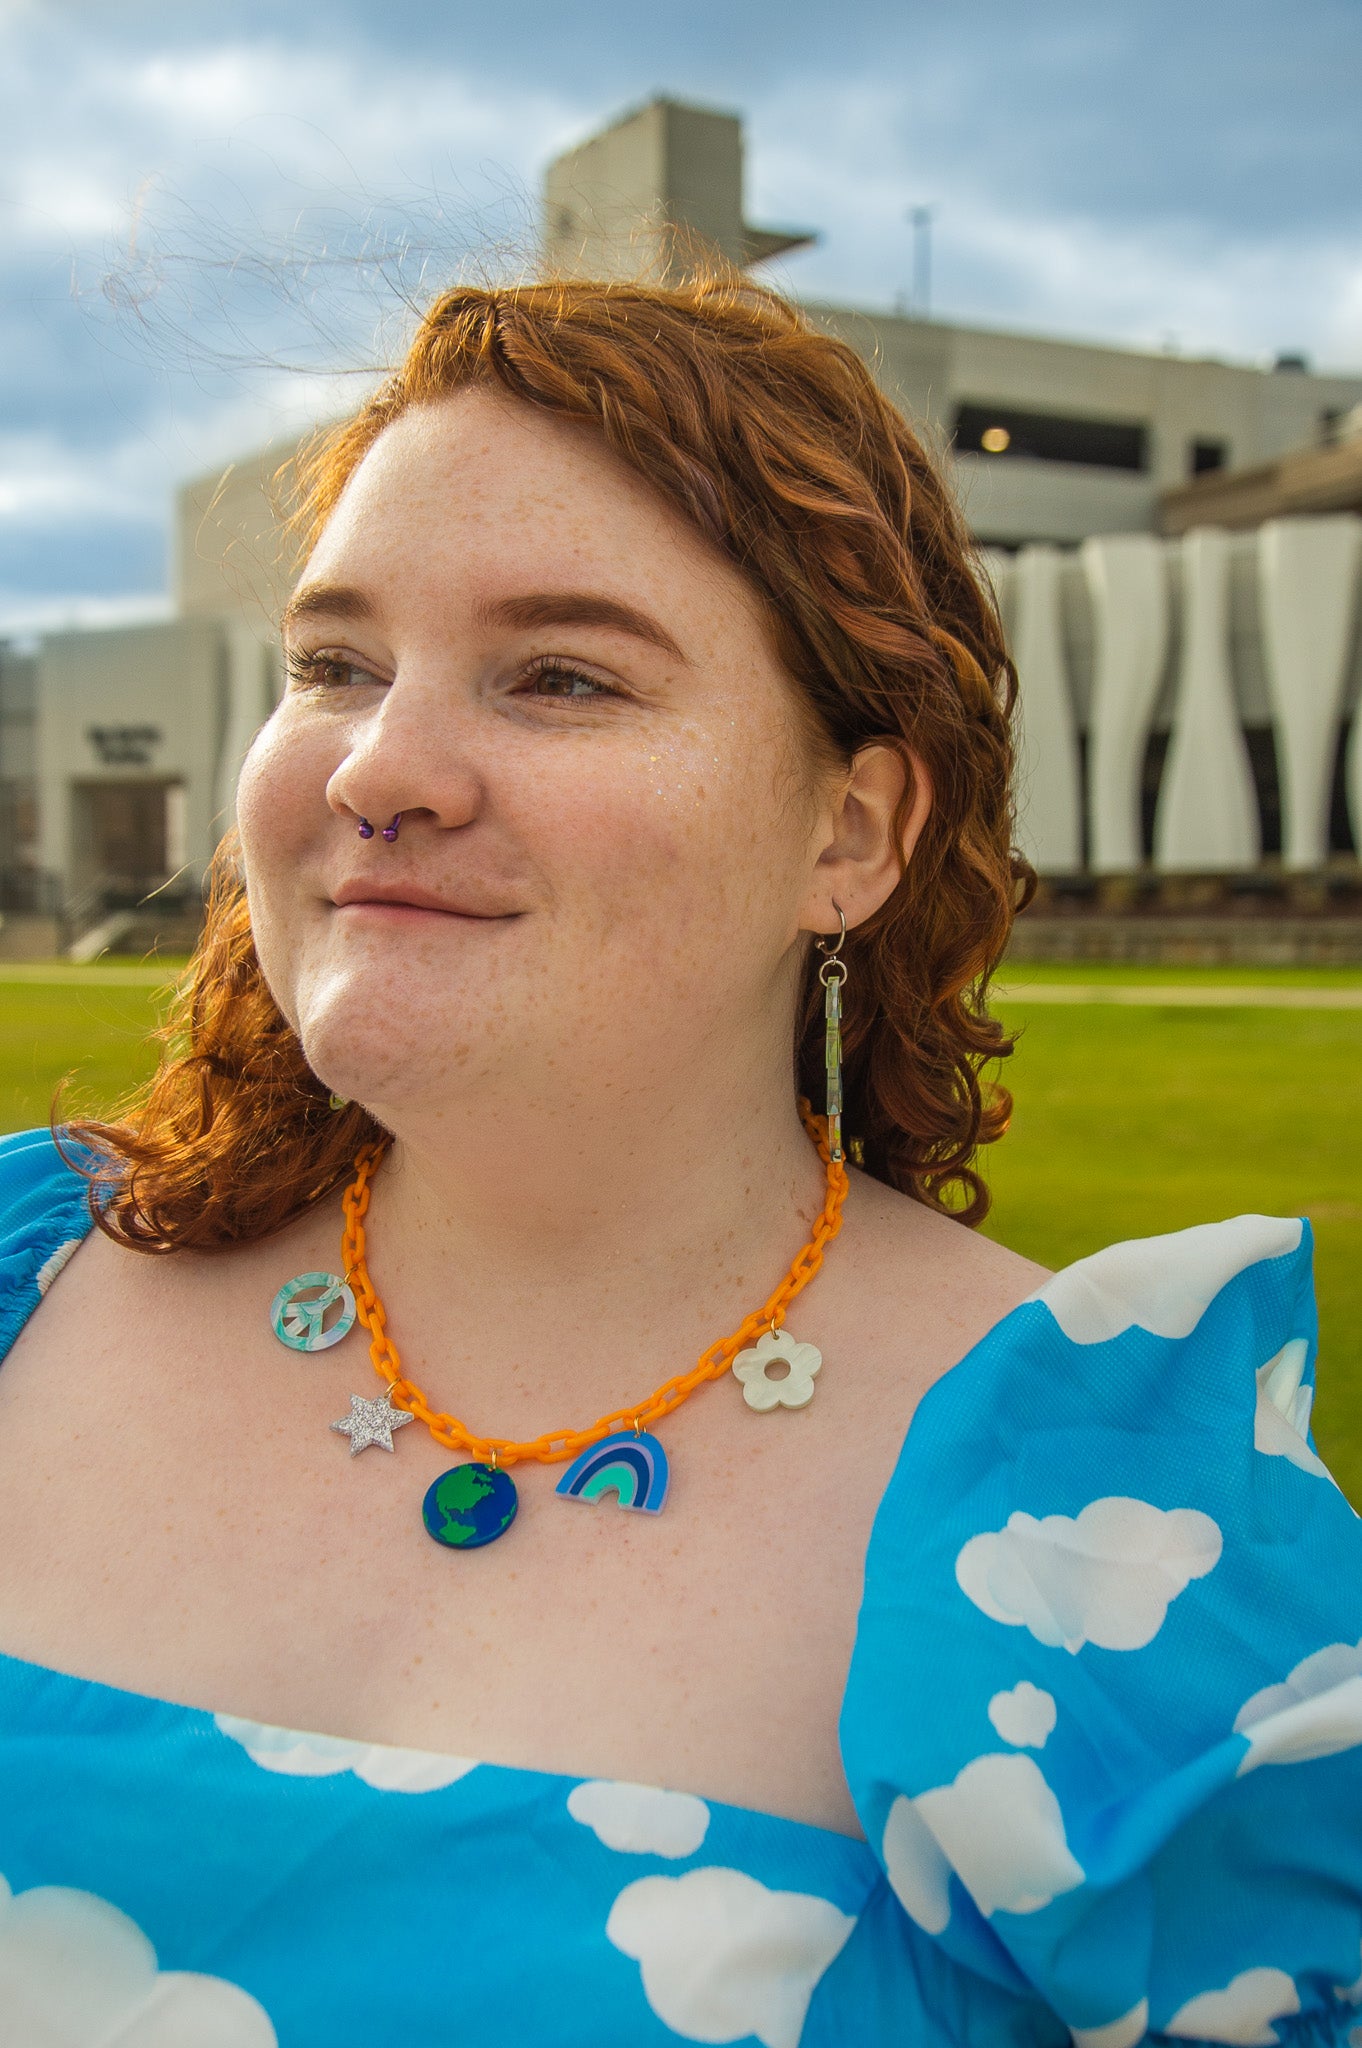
(1104, 1720)
(44, 1216)
(915, 1266)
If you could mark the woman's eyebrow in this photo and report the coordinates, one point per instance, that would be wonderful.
(327, 600)
(578, 608)
(538, 608)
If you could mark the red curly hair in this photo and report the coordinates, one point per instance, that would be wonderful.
(776, 443)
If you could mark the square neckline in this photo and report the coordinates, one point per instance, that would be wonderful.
(11, 1661)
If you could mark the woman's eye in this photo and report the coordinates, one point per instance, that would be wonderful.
(327, 672)
(567, 682)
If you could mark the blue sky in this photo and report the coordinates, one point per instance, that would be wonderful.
(209, 215)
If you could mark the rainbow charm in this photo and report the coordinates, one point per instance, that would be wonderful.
(633, 1467)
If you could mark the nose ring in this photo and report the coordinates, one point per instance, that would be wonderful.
(366, 830)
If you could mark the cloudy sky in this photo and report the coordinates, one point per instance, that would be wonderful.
(214, 218)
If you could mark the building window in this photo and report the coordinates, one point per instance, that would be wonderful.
(1204, 456)
(1003, 431)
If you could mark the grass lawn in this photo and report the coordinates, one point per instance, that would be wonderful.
(1128, 1121)
(91, 1025)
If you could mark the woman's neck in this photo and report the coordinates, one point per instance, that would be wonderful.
(562, 1258)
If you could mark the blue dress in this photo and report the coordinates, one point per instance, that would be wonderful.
(1103, 1730)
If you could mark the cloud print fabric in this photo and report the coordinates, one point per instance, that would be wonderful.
(77, 1973)
(296, 1755)
(1105, 1576)
(1103, 1730)
(1103, 1523)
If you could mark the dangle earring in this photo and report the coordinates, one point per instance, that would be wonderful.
(800, 1363)
(833, 974)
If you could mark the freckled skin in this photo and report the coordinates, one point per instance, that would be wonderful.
(597, 1169)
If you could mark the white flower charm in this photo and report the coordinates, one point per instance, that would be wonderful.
(795, 1390)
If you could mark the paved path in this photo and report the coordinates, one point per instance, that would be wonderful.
(1182, 995)
(57, 974)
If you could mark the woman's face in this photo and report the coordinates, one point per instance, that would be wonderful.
(609, 824)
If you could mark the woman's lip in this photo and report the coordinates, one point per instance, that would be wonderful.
(387, 906)
(353, 897)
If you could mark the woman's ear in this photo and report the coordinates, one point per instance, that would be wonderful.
(863, 855)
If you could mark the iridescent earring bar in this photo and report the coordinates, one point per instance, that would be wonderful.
(832, 974)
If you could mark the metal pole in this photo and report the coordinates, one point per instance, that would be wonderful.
(921, 218)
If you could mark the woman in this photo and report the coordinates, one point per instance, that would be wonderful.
(637, 653)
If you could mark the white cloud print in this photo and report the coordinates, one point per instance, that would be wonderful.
(77, 1973)
(1106, 1576)
(723, 1957)
(1025, 1716)
(640, 1820)
(997, 1825)
(1161, 1284)
(1241, 2012)
(1281, 1418)
(296, 1755)
(1316, 1712)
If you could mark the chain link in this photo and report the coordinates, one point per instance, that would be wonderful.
(557, 1445)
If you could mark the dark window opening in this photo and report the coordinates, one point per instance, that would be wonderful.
(1262, 752)
(1151, 775)
(1001, 430)
(1340, 823)
(1207, 455)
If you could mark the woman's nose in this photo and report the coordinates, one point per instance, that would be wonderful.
(409, 761)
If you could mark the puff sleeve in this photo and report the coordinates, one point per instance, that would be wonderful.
(44, 1216)
(1103, 1725)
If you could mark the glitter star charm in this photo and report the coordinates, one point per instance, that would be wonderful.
(371, 1422)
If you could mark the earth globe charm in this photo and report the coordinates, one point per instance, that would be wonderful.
(470, 1505)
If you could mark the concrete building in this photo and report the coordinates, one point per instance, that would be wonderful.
(1161, 694)
(653, 191)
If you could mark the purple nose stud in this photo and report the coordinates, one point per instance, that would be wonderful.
(390, 831)
(366, 830)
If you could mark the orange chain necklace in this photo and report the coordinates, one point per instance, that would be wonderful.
(475, 1502)
(556, 1445)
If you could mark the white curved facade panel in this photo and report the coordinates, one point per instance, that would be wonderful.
(1207, 817)
(1127, 581)
(1049, 815)
(1307, 577)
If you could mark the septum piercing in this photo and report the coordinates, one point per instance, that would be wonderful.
(366, 830)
